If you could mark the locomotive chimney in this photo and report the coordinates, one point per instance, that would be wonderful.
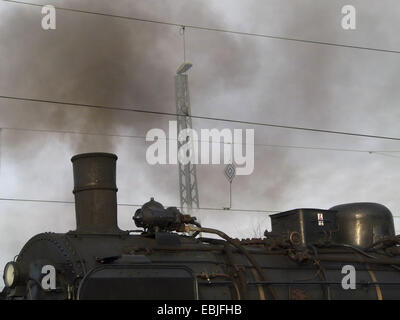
(95, 193)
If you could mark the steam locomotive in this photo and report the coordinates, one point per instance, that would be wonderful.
(347, 252)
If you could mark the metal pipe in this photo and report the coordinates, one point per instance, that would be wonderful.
(240, 248)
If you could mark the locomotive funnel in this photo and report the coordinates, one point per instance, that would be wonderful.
(95, 193)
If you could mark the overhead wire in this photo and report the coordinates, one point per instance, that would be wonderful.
(211, 29)
(135, 205)
(384, 153)
(164, 113)
(141, 137)
(262, 211)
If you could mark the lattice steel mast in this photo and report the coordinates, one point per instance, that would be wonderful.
(188, 192)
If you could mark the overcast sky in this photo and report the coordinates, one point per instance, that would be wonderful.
(101, 60)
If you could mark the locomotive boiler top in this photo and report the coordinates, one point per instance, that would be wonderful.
(301, 258)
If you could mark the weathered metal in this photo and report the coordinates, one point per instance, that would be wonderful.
(305, 226)
(76, 255)
(188, 191)
(99, 261)
(95, 193)
(362, 224)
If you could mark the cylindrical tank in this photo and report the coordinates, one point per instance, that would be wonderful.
(95, 193)
(363, 223)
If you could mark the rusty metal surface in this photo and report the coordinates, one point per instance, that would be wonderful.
(297, 294)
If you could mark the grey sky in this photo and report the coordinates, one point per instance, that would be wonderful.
(94, 59)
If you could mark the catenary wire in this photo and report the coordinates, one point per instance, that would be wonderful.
(135, 205)
(139, 137)
(162, 113)
(140, 205)
(211, 29)
(384, 153)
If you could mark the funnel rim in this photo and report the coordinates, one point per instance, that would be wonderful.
(94, 155)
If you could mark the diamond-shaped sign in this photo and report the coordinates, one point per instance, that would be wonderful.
(230, 171)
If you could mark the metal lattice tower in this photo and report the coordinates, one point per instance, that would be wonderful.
(188, 192)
